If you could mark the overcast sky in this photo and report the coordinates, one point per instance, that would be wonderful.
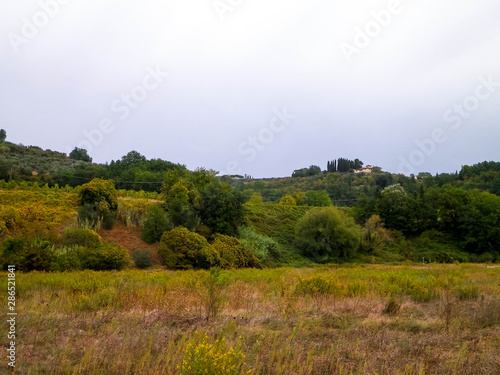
(260, 87)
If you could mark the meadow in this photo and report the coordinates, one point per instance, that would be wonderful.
(331, 319)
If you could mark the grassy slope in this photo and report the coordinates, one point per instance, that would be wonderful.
(141, 322)
(31, 210)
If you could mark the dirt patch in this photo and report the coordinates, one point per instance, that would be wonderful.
(129, 238)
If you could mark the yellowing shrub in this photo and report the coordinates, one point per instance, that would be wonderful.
(232, 253)
(216, 358)
(180, 248)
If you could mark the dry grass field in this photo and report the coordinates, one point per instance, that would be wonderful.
(328, 320)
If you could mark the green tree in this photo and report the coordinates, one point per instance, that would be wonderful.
(80, 154)
(318, 198)
(222, 208)
(479, 223)
(3, 135)
(288, 200)
(99, 202)
(328, 234)
(156, 223)
(182, 202)
(133, 157)
(396, 209)
(99, 192)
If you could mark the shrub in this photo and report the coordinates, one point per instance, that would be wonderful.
(357, 288)
(180, 248)
(262, 246)
(99, 192)
(156, 223)
(392, 307)
(108, 220)
(314, 285)
(328, 234)
(89, 218)
(288, 200)
(142, 259)
(214, 296)
(421, 293)
(35, 255)
(104, 257)
(9, 216)
(81, 237)
(212, 358)
(67, 258)
(99, 201)
(464, 292)
(232, 253)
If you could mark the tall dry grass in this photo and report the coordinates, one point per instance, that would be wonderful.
(327, 320)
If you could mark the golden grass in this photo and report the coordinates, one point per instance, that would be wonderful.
(144, 322)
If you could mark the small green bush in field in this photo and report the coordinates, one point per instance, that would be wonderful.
(102, 299)
(464, 292)
(105, 257)
(213, 358)
(317, 285)
(142, 259)
(421, 293)
(81, 237)
(99, 192)
(357, 288)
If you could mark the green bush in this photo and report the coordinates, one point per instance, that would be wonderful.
(180, 248)
(435, 246)
(108, 220)
(101, 193)
(67, 258)
(34, 255)
(142, 259)
(156, 223)
(327, 234)
(99, 202)
(232, 253)
(104, 257)
(89, 218)
(81, 237)
(464, 292)
(315, 285)
(205, 356)
(262, 246)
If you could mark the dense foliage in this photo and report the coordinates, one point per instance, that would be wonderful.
(384, 217)
(183, 249)
(99, 202)
(328, 234)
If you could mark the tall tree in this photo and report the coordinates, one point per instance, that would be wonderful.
(80, 154)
